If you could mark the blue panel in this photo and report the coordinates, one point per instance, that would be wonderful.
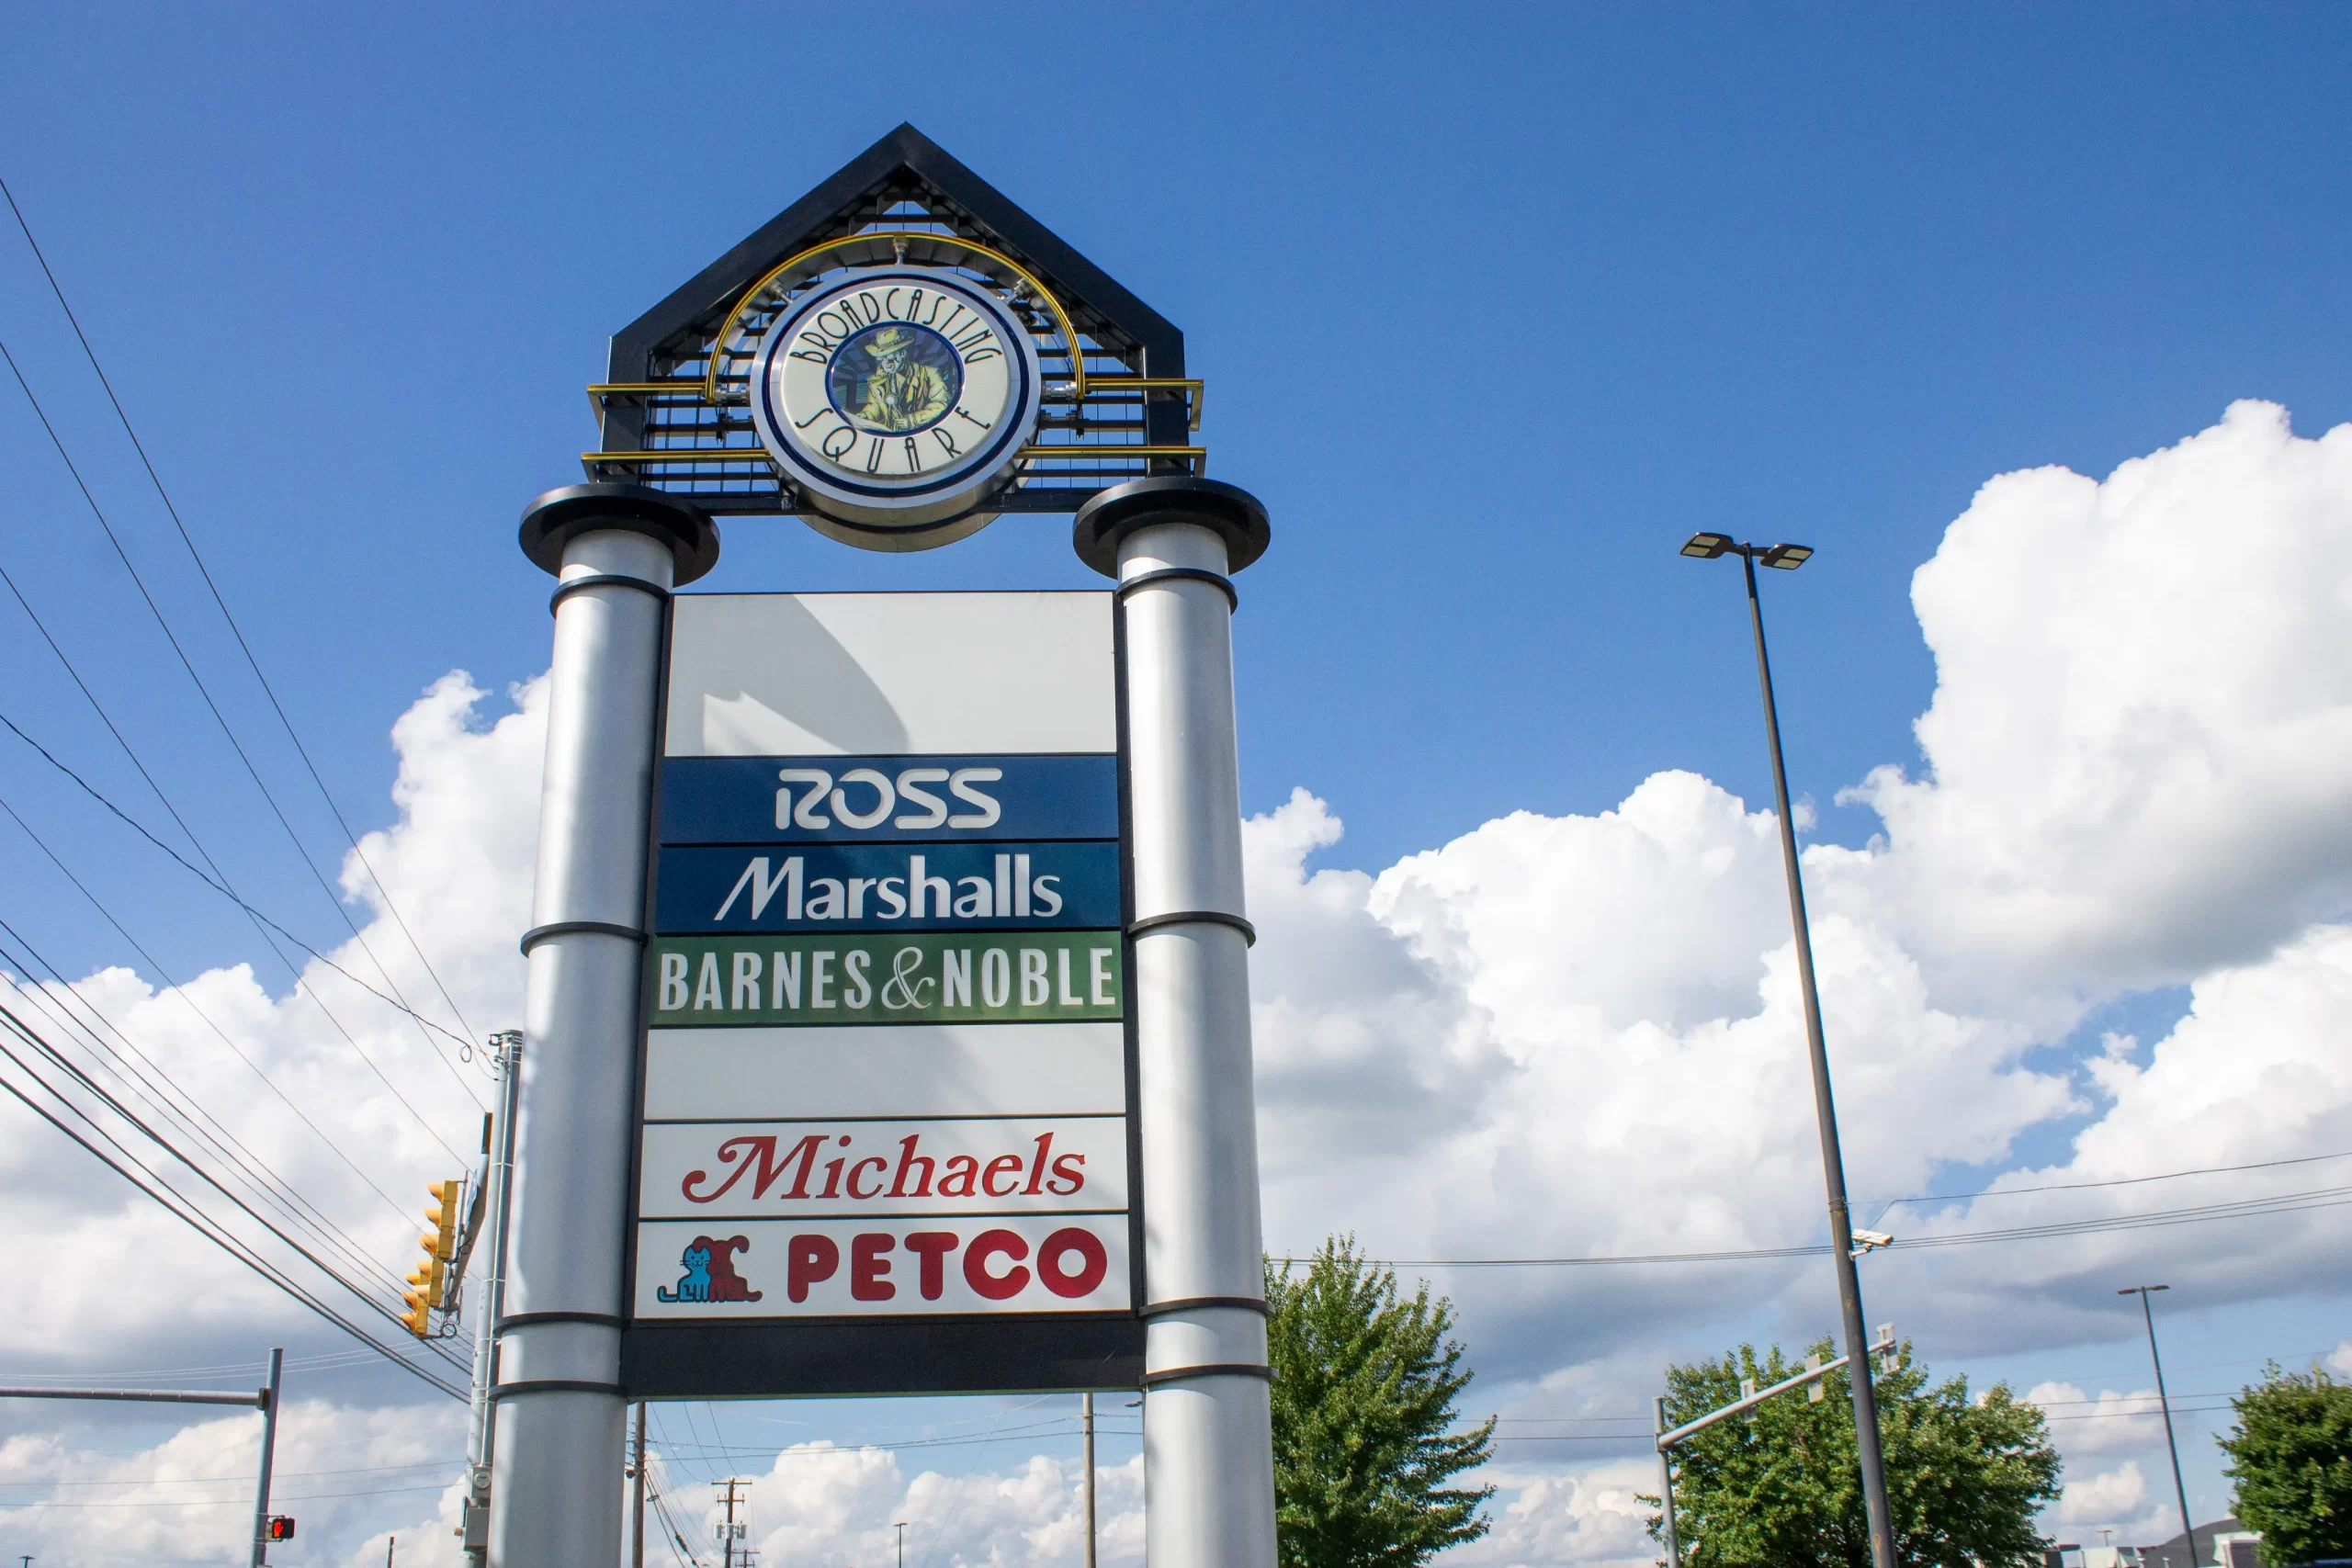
(820, 887)
(749, 800)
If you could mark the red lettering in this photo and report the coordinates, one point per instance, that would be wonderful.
(1004, 1165)
(832, 1174)
(745, 1154)
(908, 1160)
(963, 1171)
(931, 1248)
(988, 1245)
(879, 1163)
(811, 1260)
(1068, 1167)
(1038, 1166)
(867, 1267)
(1093, 1263)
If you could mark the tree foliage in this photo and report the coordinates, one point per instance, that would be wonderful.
(1363, 1392)
(1782, 1486)
(2291, 1454)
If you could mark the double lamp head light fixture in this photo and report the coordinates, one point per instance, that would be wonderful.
(1786, 557)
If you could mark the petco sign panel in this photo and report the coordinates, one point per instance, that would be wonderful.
(886, 1101)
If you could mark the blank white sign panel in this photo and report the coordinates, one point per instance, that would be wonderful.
(843, 674)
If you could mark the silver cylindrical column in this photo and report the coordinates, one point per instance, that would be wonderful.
(557, 1453)
(1208, 1461)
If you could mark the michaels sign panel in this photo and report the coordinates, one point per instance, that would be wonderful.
(886, 1132)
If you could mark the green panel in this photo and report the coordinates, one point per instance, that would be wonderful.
(883, 977)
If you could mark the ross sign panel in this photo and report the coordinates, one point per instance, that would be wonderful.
(886, 1130)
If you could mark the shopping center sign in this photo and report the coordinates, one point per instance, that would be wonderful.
(886, 1087)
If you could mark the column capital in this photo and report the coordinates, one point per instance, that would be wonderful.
(1118, 511)
(556, 518)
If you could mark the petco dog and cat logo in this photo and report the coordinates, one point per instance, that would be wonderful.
(710, 1276)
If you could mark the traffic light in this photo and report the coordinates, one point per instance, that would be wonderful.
(281, 1527)
(440, 1244)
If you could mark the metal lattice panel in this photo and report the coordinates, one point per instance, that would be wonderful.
(1118, 406)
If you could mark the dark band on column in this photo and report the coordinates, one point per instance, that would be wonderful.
(1196, 916)
(537, 934)
(604, 579)
(1214, 1370)
(1191, 1303)
(1218, 580)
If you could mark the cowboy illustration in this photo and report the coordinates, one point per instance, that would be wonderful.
(903, 393)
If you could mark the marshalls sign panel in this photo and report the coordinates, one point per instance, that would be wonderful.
(886, 1128)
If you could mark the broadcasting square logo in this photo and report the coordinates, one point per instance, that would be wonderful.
(886, 1068)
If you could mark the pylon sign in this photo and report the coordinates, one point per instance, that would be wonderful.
(887, 1022)
(884, 1135)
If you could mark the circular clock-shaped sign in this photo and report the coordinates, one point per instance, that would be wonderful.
(896, 401)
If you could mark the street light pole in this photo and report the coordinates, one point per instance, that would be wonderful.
(1788, 558)
(2179, 1491)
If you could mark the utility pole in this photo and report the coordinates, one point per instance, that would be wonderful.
(498, 1173)
(901, 1528)
(2179, 1491)
(1086, 1414)
(268, 1456)
(727, 1539)
(390, 1542)
(637, 1496)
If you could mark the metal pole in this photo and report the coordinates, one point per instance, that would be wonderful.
(1086, 1413)
(1832, 1164)
(268, 1457)
(903, 1544)
(560, 1437)
(1208, 1451)
(1666, 1490)
(2179, 1491)
(480, 1437)
(637, 1496)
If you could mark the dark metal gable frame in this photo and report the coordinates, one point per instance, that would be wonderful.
(1135, 419)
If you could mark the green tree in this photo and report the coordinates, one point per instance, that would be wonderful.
(1782, 1486)
(1364, 1384)
(2290, 1453)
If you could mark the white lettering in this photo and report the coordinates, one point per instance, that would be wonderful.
(886, 799)
(804, 815)
(959, 785)
(910, 790)
(755, 876)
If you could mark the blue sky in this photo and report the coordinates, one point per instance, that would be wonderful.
(1494, 305)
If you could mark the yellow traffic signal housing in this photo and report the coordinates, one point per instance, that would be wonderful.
(430, 1279)
(443, 1218)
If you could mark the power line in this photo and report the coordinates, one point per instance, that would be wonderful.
(2280, 1203)
(203, 691)
(108, 915)
(222, 603)
(141, 829)
(32, 1037)
(166, 1098)
(2117, 1182)
(128, 751)
(180, 1208)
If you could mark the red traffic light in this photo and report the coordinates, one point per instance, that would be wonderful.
(281, 1527)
